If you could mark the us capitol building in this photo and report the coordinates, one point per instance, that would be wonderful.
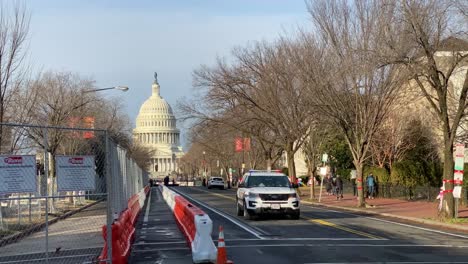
(156, 128)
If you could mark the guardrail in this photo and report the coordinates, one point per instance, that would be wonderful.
(195, 224)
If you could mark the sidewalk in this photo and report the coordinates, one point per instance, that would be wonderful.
(76, 239)
(418, 211)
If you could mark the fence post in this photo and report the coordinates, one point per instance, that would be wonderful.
(109, 199)
(46, 172)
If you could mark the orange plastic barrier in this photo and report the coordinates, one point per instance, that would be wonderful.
(120, 244)
(185, 213)
(123, 232)
(134, 207)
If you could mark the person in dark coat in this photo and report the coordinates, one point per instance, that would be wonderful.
(166, 180)
(339, 187)
(328, 184)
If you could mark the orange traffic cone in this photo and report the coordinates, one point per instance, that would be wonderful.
(222, 255)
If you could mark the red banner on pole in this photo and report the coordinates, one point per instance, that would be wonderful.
(239, 146)
(88, 122)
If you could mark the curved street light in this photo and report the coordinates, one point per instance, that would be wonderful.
(121, 88)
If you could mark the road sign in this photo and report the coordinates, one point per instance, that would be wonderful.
(323, 171)
(324, 157)
(459, 163)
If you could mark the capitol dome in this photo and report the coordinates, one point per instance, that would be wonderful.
(156, 127)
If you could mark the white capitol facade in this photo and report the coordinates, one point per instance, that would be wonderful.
(156, 128)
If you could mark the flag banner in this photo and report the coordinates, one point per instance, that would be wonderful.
(239, 146)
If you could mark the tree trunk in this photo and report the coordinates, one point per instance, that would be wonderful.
(312, 179)
(268, 160)
(359, 182)
(448, 206)
(291, 164)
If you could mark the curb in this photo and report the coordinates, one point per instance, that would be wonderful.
(14, 238)
(408, 218)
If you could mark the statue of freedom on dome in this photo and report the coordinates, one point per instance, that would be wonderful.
(155, 77)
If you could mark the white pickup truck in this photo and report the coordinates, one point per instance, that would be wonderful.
(262, 192)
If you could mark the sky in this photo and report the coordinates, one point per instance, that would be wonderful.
(123, 42)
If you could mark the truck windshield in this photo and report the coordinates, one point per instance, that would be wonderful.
(268, 181)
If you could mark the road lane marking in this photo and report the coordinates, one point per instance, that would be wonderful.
(158, 243)
(307, 239)
(343, 245)
(233, 220)
(326, 223)
(159, 249)
(386, 221)
(392, 262)
(217, 194)
(319, 221)
(147, 209)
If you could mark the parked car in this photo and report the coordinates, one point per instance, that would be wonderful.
(216, 182)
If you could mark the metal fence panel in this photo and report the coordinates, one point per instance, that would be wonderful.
(80, 181)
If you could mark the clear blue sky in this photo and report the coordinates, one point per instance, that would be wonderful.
(124, 42)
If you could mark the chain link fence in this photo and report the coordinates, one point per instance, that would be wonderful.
(58, 187)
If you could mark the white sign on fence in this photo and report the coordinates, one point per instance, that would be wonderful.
(18, 174)
(75, 173)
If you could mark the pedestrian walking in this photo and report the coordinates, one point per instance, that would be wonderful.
(166, 180)
(339, 187)
(328, 185)
(333, 181)
(370, 185)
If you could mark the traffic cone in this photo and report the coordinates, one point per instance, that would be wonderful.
(222, 255)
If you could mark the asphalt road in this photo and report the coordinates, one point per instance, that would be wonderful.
(323, 236)
(158, 238)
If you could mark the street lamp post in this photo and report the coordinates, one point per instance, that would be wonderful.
(204, 166)
(121, 88)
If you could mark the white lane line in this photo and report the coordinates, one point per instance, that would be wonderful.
(391, 262)
(147, 209)
(388, 221)
(158, 243)
(343, 245)
(159, 249)
(228, 217)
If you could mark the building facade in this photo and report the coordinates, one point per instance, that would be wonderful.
(156, 128)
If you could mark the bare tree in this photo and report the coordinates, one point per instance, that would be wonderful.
(22, 102)
(311, 148)
(261, 87)
(142, 155)
(392, 141)
(348, 84)
(14, 28)
(434, 49)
